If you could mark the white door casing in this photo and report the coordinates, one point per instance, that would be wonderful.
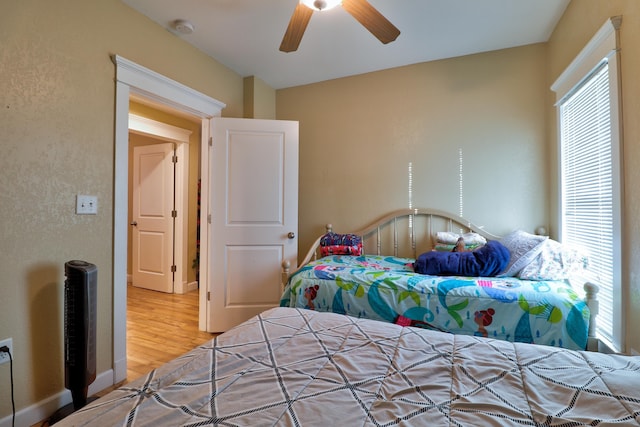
(152, 220)
(136, 81)
(254, 216)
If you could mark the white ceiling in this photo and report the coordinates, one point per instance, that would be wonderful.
(245, 35)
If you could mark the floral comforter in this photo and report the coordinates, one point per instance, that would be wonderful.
(387, 288)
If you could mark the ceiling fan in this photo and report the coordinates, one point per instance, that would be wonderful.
(362, 10)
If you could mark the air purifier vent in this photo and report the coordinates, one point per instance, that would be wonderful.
(80, 329)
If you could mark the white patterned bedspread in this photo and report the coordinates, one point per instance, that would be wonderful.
(296, 367)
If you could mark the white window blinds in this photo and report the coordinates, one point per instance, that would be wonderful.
(587, 185)
(590, 171)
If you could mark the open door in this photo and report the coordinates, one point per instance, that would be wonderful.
(152, 227)
(254, 216)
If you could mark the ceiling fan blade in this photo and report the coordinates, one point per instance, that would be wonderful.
(371, 19)
(295, 30)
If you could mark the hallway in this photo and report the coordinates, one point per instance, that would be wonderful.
(160, 327)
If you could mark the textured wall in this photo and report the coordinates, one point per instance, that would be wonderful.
(358, 136)
(57, 96)
(259, 99)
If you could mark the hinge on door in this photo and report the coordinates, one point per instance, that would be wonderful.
(174, 213)
(210, 141)
(209, 218)
(208, 296)
(174, 159)
(173, 268)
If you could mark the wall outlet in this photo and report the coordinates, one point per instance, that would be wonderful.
(4, 357)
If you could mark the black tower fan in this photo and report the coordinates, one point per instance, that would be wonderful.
(80, 303)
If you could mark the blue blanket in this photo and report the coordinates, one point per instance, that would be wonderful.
(487, 261)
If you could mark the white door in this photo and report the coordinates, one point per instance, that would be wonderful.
(152, 223)
(254, 216)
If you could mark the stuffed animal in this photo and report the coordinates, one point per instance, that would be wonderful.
(459, 247)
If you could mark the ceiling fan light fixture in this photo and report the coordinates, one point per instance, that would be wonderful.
(361, 10)
(321, 4)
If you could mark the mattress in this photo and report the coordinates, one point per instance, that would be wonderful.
(297, 367)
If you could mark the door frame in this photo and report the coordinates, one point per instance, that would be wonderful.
(134, 81)
(168, 133)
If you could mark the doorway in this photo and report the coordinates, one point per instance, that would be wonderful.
(163, 193)
(278, 213)
(134, 82)
(151, 257)
(162, 234)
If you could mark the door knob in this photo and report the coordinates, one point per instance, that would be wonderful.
(134, 223)
(291, 235)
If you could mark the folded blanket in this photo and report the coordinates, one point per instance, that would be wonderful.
(340, 244)
(446, 247)
(451, 238)
(340, 250)
(487, 261)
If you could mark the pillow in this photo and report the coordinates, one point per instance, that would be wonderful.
(523, 247)
(470, 238)
(555, 262)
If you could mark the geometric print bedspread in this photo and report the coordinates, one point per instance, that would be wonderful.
(296, 367)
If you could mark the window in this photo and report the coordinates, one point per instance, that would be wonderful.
(590, 172)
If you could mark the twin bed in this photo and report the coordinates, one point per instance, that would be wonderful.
(531, 301)
(306, 363)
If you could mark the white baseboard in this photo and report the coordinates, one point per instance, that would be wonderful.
(120, 370)
(192, 286)
(184, 287)
(635, 352)
(44, 409)
(181, 288)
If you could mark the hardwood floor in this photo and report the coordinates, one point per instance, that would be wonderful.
(160, 327)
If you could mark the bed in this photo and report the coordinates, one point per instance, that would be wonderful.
(532, 301)
(298, 367)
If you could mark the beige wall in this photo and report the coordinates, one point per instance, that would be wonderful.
(57, 95)
(582, 19)
(259, 99)
(358, 136)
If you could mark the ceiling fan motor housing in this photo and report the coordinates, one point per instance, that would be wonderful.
(321, 4)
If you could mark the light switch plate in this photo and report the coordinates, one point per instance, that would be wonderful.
(86, 205)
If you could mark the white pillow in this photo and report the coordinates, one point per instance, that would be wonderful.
(523, 247)
(555, 262)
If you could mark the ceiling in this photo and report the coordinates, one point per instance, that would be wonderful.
(245, 35)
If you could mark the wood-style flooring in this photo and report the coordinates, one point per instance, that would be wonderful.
(160, 327)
